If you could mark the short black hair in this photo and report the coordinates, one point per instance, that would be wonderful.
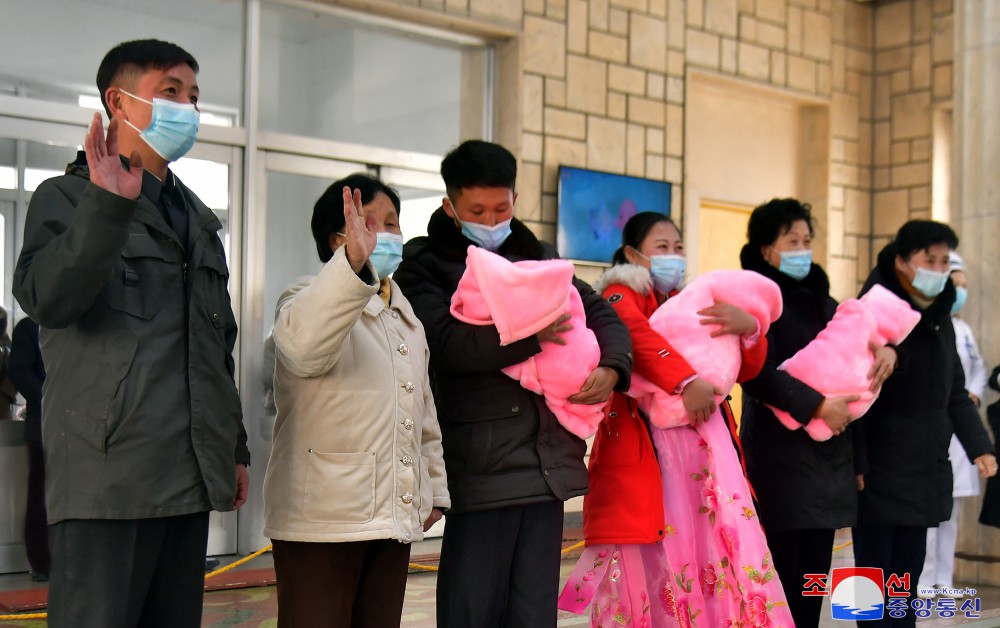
(328, 212)
(636, 230)
(920, 235)
(136, 57)
(774, 218)
(478, 164)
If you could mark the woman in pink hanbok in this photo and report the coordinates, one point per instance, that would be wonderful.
(673, 538)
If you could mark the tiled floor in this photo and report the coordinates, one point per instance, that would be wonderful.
(256, 607)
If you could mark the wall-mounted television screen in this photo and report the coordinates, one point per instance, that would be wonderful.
(594, 207)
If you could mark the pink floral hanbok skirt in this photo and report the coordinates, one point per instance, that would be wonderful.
(711, 570)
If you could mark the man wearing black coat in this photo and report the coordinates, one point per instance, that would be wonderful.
(901, 448)
(510, 464)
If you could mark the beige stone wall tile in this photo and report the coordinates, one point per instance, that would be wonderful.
(675, 89)
(622, 78)
(901, 152)
(943, 7)
(654, 141)
(636, 165)
(911, 115)
(883, 97)
(656, 86)
(674, 171)
(533, 101)
(598, 14)
(748, 28)
(883, 144)
(531, 146)
(778, 69)
(646, 111)
(826, 6)
(648, 43)
(892, 24)
(880, 178)
(845, 174)
(576, 26)
(555, 9)
(461, 7)
(617, 106)
(835, 232)
(618, 21)
(631, 5)
(555, 93)
(865, 143)
(609, 47)
(728, 60)
(562, 123)
(836, 198)
(859, 25)
(695, 13)
(802, 74)
(839, 67)
(859, 60)
(893, 60)
(772, 10)
(839, 21)
(920, 77)
(654, 167)
(531, 7)
(837, 150)
(586, 84)
(806, 4)
(754, 62)
(900, 82)
(721, 16)
(816, 35)
(560, 152)
(747, 6)
(824, 84)
(851, 247)
(675, 63)
(942, 43)
(920, 149)
(922, 20)
(891, 211)
(942, 82)
(770, 35)
(920, 197)
(529, 191)
(676, 23)
(851, 152)
(675, 130)
(703, 49)
(857, 211)
(503, 12)
(605, 144)
(794, 30)
(658, 8)
(544, 47)
(546, 230)
(677, 201)
(437, 5)
(911, 175)
(864, 91)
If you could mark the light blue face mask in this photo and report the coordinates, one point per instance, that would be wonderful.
(929, 282)
(172, 129)
(796, 264)
(667, 271)
(961, 296)
(388, 253)
(490, 238)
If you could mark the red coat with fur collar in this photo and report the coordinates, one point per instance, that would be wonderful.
(625, 502)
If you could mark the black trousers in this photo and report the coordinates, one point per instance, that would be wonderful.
(897, 550)
(796, 553)
(147, 573)
(359, 584)
(500, 567)
(36, 525)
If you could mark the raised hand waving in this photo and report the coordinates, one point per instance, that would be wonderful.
(360, 230)
(106, 168)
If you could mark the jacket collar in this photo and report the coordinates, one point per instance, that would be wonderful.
(631, 275)
(444, 236)
(885, 273)
(397, 302)
(815, 282)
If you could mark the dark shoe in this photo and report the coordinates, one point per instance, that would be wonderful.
(39, 576)
(212, 563)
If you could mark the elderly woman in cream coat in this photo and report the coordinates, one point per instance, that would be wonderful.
(356, 471)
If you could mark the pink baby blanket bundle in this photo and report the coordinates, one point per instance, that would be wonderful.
(717, 360)
(521, 299)
(836, 363)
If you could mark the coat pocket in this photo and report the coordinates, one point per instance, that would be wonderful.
(340, 487)
(137, 286)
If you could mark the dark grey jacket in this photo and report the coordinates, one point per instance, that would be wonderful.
(141, 417)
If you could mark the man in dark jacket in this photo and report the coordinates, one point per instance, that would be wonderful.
(901, 445)
(123, 269)
(27, 372)
(510, 464)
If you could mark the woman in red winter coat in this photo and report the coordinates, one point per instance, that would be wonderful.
(624, 517)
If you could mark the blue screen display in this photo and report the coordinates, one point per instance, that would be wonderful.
(594, 207)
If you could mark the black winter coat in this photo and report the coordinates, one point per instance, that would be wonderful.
(903, 440)
(502, 445)
(27, 372)
(800, 483)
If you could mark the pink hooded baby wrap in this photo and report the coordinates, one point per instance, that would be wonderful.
(836, 363)
(718, 359)
(521, 299)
